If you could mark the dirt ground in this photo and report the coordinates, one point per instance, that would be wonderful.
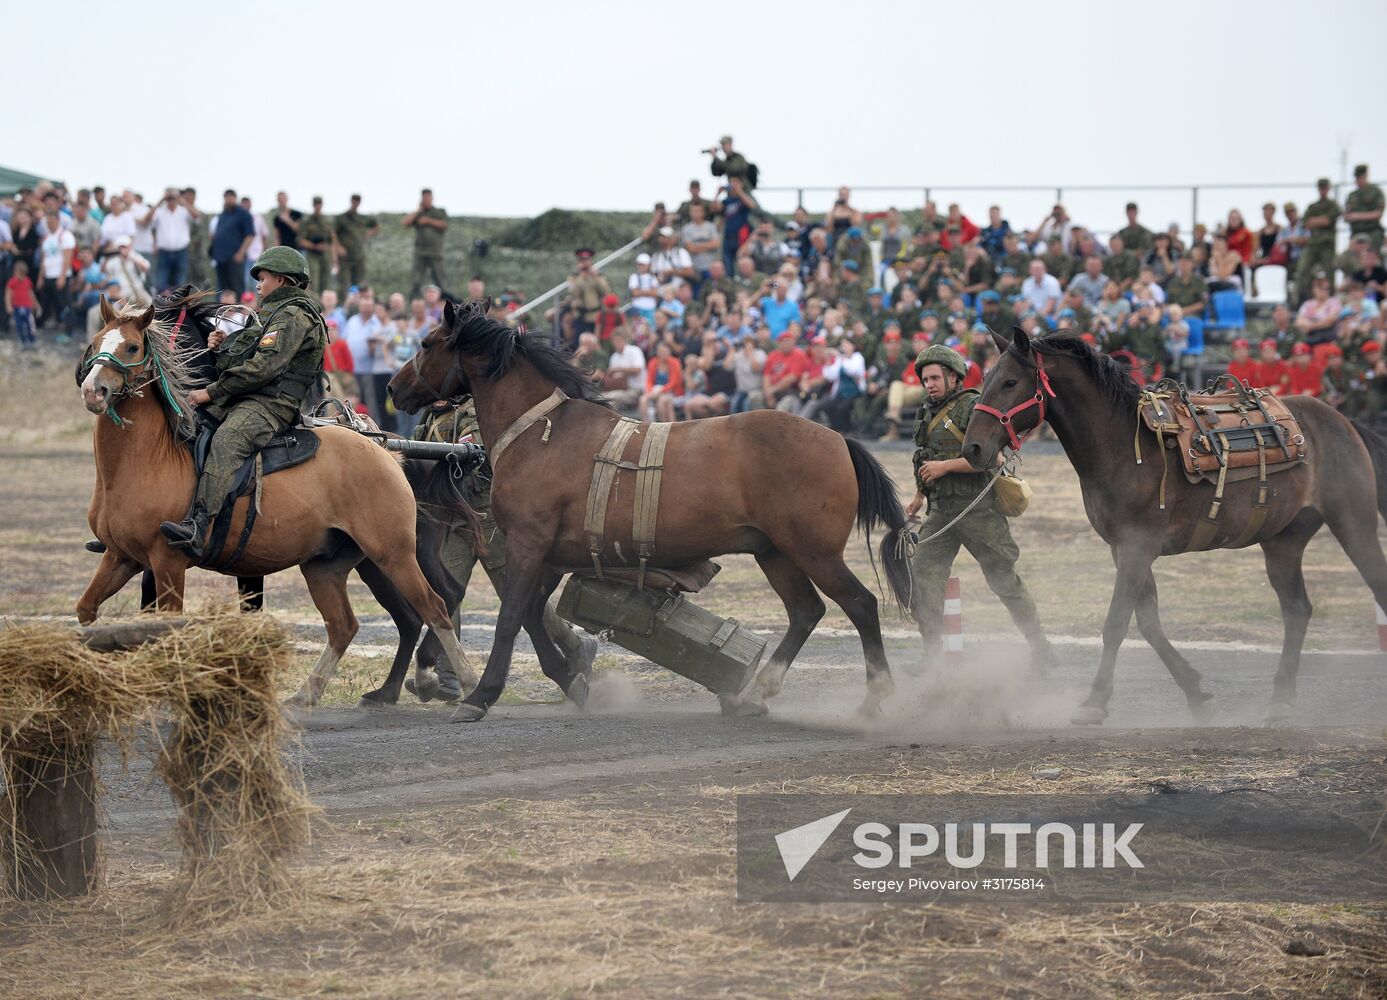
(549, 852)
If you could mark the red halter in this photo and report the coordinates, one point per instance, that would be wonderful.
(1042, 389)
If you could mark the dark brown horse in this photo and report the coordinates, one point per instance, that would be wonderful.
(786, 490)
(1093, 411)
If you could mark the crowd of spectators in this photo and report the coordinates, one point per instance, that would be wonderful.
(731, 308)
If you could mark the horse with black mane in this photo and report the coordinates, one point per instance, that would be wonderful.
(783, 489)
(1091, 403)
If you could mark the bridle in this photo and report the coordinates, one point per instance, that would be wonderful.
(152, 371)
(1042, 389)
(454, 374)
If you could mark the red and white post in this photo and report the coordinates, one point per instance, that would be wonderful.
(1381, 628)
(953, 623)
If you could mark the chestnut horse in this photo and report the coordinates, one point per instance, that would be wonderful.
(1091, 402)
(784, 489)
(350, 503)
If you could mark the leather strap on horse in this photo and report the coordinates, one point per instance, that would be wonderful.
(1260, 507)
(607, 463)
(1207, 526)
(1159, 401)
(525, 421)
(648, 476)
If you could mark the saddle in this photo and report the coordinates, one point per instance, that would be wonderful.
(290, 447)
(1228, 434)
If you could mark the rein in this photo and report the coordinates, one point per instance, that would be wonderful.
(1042, 389)
(128, 388)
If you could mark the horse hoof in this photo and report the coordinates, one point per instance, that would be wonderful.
(467, 712)
(1088, 715)
(741, 708)
(578, 690)
(869, 710)
(424, 686)
(1203, 712)
(1278, 714)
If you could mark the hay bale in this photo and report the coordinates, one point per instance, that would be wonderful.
(242, 811)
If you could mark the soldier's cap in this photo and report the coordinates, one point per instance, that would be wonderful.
(1360, 170)
(1301, 349)
(980, 327)
(1267, 342)
(354, 289)
(610, 301)
(852, 265)
(642, 258)
(953, 344)
(1013, 299)
(1371, 347)
(919, 335)
(890, 323)
(431, 288)
(1333, 351)
(1067, 314)
(900, 262)
(854, 231)
(874, 290)
(892, 334)
(989, 296)
(583, 253)
(1322, 182)
(1240, 342)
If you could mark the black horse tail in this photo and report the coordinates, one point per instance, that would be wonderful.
(440, 498)
(879, 506)
(1376, 442)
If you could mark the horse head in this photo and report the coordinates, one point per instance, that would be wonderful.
(116, 358)
(1011, 404)
(435, 372)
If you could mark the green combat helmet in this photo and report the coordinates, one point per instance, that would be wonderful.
(282, 260)
(938, 354)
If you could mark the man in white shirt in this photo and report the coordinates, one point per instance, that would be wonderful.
(258, 242)
(625, 378)
(144, 217)
(644, 286)
(117, 223)
(172, 228)
(1041, 290)
(672, 262)
(363, 337)
(55, 268)
(129, 269)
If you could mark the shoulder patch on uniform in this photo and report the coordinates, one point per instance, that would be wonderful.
(270, 339)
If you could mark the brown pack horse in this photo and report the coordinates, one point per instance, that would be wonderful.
(349, 503)
(784, 489)
(1091, 403)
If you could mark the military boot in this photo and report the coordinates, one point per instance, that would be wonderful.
(580, 660)
(95, 545)
(190, 534)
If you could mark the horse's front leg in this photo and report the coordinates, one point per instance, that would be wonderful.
(524, 575)
(113, 572)
(170, 568)
(1133, 570)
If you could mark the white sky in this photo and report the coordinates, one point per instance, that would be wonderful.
(611, 102)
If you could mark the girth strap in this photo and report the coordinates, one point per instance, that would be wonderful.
(1207, 526)
(648, 476)
(1261, 507)
(524, 422)
(599, 493)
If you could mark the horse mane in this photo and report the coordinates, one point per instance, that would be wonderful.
(179, 374)
(1113, 378)
(475, 333)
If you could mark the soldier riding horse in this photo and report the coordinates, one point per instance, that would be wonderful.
(784, 489)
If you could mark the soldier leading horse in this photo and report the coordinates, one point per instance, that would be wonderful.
(1091, 402)
(784, 489)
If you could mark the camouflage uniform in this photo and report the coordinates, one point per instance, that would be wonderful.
(428, 252)
(1136, 238)
(1366, 199)
(869, 409)
(197, 250)
(265, 372)
(460, 550)
(1019, 261)
(983, 531)
(1059, 264)
(585, 295)
(352, 227)
(315, 241)
(1188, 293)
(1318, 254)
(1124, 266)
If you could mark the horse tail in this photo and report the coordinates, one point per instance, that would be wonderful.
(879, 506)
(1376, 442)
(440, 498)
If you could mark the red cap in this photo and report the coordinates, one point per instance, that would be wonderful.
(1269, 342)
(786, 335)
(1300, 349)
(1088, 338)
(610, 301)
(891, 335)
(1370, 347)
(1333, 351)
(1241, 342)
(919, 335)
